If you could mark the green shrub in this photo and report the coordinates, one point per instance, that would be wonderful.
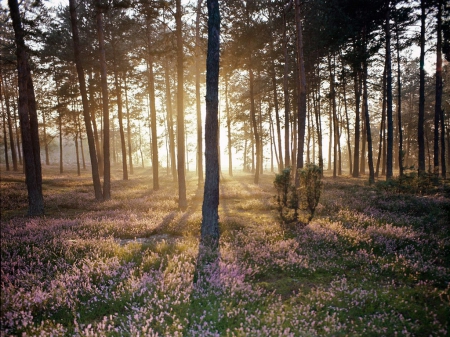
(412, 182)
(290, 199)
(287, 198)
(310, 188)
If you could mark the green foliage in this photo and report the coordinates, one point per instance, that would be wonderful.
(290, 199)
(412, 182)
(287, 198)
(310, 188)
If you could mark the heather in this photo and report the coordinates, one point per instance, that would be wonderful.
(372, 261)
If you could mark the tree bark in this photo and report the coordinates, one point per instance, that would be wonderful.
(367, 118)
(335, 123)
(9, 121)
(105, 98)
(390, 123)
(210, 215)
(197, 96)
(275, 97)
(438, 102)
(84, 98)
(399, 105)
(182, 202)
(92, 106)
(344, 83)
(120, 115)
(230, 156)
(155, 160)
(420, 133)
(28, 118)
(130, 146)
(301, 91)
(170, 121)
(382, 125)
(357, 75)
(254, 125)
(4, 132)
(287, 104)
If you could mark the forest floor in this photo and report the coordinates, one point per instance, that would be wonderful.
(371, 262)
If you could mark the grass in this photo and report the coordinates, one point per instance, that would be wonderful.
(371, 262)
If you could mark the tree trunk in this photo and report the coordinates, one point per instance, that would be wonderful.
(210, 215)
(170, 121)
(182, 202)
(120, 116)
(28, 118)
(245, 147)
(61, 165)
(16, 129)
(390, 123)
(197, 96)
(301, 91)
(254, 125)
(319, 122)
(44, 125)
(77, 152)
(420, 134)
(287, 104)
(382, 126)
(399, 105)
(81, 142)
(344, 82)
(84, 98)
(130, 149)
(92, 106)
(357, 80)
(438, 102)
(106, 140)
(9, 121)
(230, 157)
(333, 108)
(366, 113)
(155, 160)
(275, 97)
(4, 133)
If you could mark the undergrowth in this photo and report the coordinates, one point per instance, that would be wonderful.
(372, 262)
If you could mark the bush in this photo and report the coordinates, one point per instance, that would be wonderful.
(287, 198)
(306, 197)
(412, 182)
(310, 188)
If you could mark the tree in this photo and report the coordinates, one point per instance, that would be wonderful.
(197, 96)
(84, 98)
(105, 99)
(390, 123)
(438, 101)
(210, 215)
(28, 118)
(301, 91)
(182, 202)
(421, 122)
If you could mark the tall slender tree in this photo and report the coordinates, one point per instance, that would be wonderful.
(210, 221)
(105, 100)
(438, 101)
(84, 99)
(390, 121)
(28, 118)
(197, 96)
(420, 127)
(182, 201)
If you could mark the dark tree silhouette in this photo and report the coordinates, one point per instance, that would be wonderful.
(84, 98)
(28, 118)
(210, 220)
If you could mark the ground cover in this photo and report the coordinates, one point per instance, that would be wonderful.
(371, 262)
